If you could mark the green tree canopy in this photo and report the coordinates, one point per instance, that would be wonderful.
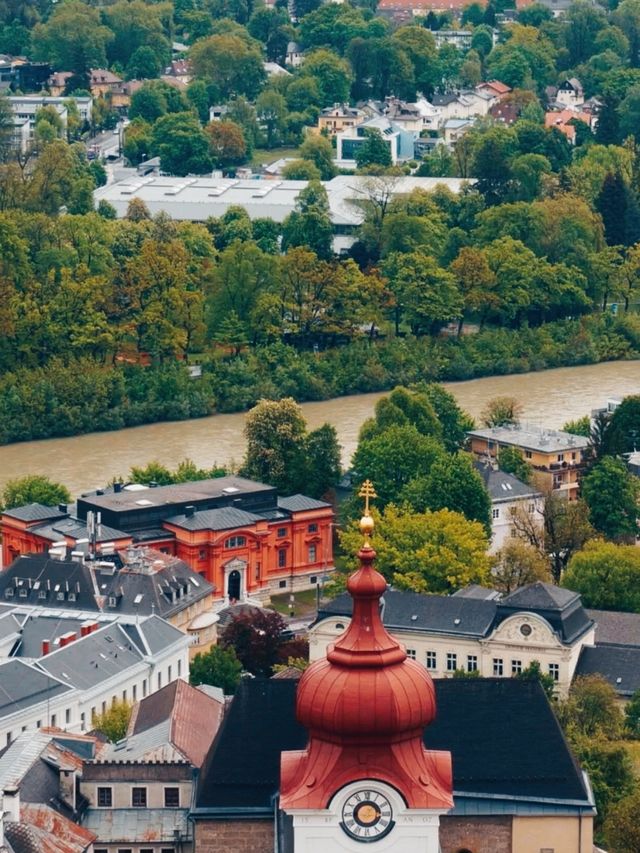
(219, 666)
(612, 495)
(34, 488)
(606, 575)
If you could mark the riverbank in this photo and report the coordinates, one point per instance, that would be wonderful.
(83, 397)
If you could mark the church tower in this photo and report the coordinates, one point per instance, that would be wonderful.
(365, 780)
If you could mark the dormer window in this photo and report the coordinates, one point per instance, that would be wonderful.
(42, 593)
(8, 592)
(235, 542)
(60, 596)
(22, 592)
(112, 601)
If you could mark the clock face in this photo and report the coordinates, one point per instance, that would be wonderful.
(367, 816)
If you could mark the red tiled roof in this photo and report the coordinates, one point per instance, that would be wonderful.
(54, 832)
(496, 86)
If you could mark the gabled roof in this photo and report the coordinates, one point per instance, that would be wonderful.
(615, 627)
(503, 486)
(225, 518)
(38, 574)
(24, 685)
(190, 720)
(619, 664)
(34, 512)
(493, 728)
(153, 634)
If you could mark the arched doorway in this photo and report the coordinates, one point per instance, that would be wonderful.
(234, 585)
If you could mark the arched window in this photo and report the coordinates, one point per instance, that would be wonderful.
(235, 542)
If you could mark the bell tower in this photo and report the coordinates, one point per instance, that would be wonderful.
(365, 777)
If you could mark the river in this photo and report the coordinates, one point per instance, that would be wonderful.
(549, 397)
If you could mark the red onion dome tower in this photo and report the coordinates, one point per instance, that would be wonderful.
(366, 706)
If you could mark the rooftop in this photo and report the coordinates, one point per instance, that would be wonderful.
(474, 716)
(619, 664)
(23, 685)
(502, 486)
(532, 438)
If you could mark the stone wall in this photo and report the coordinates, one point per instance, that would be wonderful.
(234, 836)
(475, 834)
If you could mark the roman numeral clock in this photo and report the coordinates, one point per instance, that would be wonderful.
(367, 815)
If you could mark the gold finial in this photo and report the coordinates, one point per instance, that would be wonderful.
(366, 522)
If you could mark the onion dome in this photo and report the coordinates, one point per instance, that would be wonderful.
(366, 706)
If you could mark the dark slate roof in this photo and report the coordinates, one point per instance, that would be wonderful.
(562, 608)
(38, 628)
(300, 503)
(502, 486)
(614, 627)
(493, 728)
(23, 838)
(34, 512)
(541, 596)
(75, 529)
(434, 613)
(474, 590)
(40, 784)
(619, 664)
(24, 685)
(225, 518)
(153, 635)
(37, 572)
(228, 614)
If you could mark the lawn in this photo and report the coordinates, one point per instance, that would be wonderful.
(305, 603)
(264, 156)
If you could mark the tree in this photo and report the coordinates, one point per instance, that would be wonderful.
(437, 552)
(219, 666)
(591, 708)
(331, 73)
(255, 638)
(611, 203)
(227, 144)
(375, 151)
(113, 722)
(229, 64)
(73, 38)
(394, 457)
(622, 434)
(136, 26)
(502, 411)
(310, 223)
(152, 472)
(632, 716)
(579, 426)
(323, 461)
(511, 460)
(411, 407)
(271, 110)
(182, 144)
(558, 530)
(301, 170)
(622, 828)
(318, 150)
(518, 564)
(476, 281)
(34, 488)
(612, 495)
(137, 210)
(606, 575)
(275, 433)
(534, 673)
(451, 483)
(144, 64)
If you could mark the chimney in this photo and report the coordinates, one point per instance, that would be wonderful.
(67, 638)
(11, 803)
(117, 488)
(46, 647)
(189, 511)
(62, 508)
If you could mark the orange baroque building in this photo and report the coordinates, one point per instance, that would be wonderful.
(240, 535)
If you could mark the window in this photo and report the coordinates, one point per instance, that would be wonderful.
(172, 798)
(312, 528)
(159, 680)
(495, 513)
(498, 668)
(235, 542)
(516, 667)
(282, 584)
(100, 850)
(38, 724)
(202, 554)
(54, 719)
(554, 671)
(124, 850)
(531, 508)
(8, 738)
(124, 695)
(22, 592)
(105, 798)
(179, 668)
(134, 692)
(282, 532)
(42, 593)
(411, 653)
(431, 660)
(144, 688)
(282, 558)
(312, 553)
(139, 798)
(169, 673)
(528, 454)
(112, 601)
(472, 663)
(82, 721)
(573, 457)
(452, 661)
(60, 596)
(313, 579)
(67, 716)
(560, 457)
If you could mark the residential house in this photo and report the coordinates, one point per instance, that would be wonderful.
(460, 39)
(141, 788)
(338, 118)
(294, 54)
(239, 535)
(616, 653)
(39, 799)
(570, 93)
(564, 121)
(132, 583)
(272, 69)
(508, 495)
(350, 140)
(25, 107)
(496, 88)
(453, 129)
(61, 677)
(477, 631)
(101, 82)
(506, 112)
(558, 456)
(181, 70)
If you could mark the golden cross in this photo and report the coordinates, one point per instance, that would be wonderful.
(367, 491)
